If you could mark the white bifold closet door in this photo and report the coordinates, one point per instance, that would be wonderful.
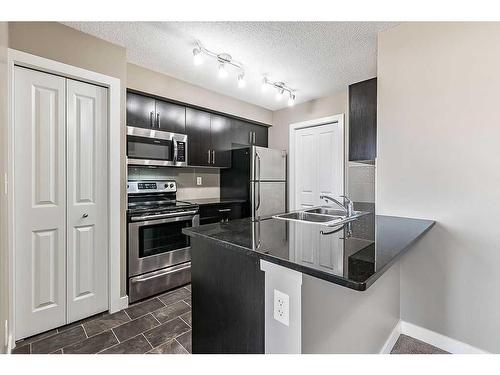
(87, 224)
(60, 204)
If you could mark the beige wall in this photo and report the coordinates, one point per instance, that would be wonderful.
(438, 158)
(4, 281)
(338, 320)
(322, 107)
(143, 79)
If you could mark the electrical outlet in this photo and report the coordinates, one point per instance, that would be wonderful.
(198, 181)
(281, 307)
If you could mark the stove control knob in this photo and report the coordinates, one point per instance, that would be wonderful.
(172, 186)
(166, 186)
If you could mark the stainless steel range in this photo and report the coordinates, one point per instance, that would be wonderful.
(159, 255)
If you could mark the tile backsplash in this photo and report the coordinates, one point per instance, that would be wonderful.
(361, 182)
(185, 178)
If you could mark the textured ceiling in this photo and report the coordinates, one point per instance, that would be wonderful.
(315, 58)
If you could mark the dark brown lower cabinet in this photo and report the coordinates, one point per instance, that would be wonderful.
(227, 300)
(215, 213)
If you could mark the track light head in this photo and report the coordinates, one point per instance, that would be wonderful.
(241, 80)
(291, 100)
(197, 56)
(222, 70)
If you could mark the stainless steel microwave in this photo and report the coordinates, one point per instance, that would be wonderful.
(156, 147)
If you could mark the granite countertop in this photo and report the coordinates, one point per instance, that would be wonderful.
(353, 255)
(209, 201)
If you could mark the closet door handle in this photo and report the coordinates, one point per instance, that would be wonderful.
(213, 156)
(84, 216)
(208, 156)
(158, 120)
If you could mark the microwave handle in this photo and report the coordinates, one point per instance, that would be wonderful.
(175, 150)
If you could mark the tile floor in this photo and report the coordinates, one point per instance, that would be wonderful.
(159, 325)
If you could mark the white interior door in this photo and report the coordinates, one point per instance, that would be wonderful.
(318, 170)
(39, 201)
(87, 238)
(319, 164)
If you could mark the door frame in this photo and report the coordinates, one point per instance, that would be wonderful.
(335, 119)
(116, 302)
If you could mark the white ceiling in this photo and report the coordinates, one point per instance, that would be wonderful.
(315, 58)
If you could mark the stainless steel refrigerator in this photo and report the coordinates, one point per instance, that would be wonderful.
(258, 175)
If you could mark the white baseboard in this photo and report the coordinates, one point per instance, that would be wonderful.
(9, 344)
(430, 337)
(391, 340)
(119, 304)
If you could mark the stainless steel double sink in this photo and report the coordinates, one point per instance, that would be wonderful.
(323, 215)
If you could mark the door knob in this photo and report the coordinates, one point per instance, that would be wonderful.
(85, 216)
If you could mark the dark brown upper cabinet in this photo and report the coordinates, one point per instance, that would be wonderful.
(211, 136)
(363, 120)
(146, 112)
(170, 117)
(141, 111)
(246, 134)
(220, 136)
(209, 139)
(198, 132)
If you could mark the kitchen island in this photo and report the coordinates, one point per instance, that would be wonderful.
(238, 266)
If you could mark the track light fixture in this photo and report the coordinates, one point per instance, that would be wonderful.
(281, 88)
(226, 61)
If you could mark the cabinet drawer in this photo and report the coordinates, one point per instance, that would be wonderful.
(215, 213)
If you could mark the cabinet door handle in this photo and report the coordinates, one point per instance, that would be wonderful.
(253, 137)
(151, 119)
(213, 156)
(225, 210)
(250, 137)
(208, 156)
(158, 119)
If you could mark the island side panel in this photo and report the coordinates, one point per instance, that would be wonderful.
(227, 300)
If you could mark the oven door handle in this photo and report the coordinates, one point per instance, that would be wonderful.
(156, 274)
(162, 216)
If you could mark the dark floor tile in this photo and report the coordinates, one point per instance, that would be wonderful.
(170, 347)
(93, 344)
(29, 340)
(133, 328)
(187, 318)
(166, 332)
(409, 345)
(185, 341)
(188, 287)
(135, 345)
(175, 296)
(105, 322)
(142, 308)
(171, 311)
(25, 349)
(58, 341)
(80, 322)
(188, 301)
(59, 351)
